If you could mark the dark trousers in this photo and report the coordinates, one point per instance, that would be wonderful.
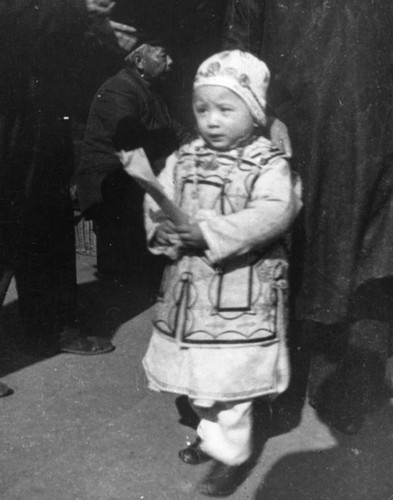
(37, 229)
(348, 360)
(122, 251)
(39, 250)
(363, 367)
(341, 367)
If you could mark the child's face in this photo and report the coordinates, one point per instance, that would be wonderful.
(223, 119)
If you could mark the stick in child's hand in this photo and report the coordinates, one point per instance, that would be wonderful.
(137, 165)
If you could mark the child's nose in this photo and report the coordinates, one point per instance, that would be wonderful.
(212, 119)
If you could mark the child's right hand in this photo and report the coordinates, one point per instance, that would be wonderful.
(165, 233)
(191, 236)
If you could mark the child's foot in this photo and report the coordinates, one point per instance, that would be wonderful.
(193, 455)
(223, 480)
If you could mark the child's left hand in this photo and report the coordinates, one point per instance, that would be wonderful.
(280, 137)
(191, 237)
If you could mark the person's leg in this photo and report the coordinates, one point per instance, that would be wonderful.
(362, 373)
(7, 252)
(6, 274)
(45, 272)
(288, 406)
(362, 379)
(225, 431)
(228, 434)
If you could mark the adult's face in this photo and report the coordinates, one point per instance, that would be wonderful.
(155, 63)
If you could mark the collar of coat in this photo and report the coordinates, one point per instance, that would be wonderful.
(258, 152)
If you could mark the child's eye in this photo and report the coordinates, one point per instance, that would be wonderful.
(200, 109)
(226, 109)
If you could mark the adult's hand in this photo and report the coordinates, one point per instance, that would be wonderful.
(125, 35)
(280, 137)
(100, 8)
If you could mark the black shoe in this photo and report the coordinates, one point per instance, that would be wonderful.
(223, 480)
(188, 416)
(263, 415)
(73, 342)
(193, 455)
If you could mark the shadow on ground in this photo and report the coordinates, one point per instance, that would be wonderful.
(104, 305)
(358, 468)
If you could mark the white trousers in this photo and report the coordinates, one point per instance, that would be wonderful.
(225, 430)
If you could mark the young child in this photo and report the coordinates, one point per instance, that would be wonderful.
(219, 332)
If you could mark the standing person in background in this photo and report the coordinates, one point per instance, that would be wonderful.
(39, 49)
(127, 111)
(332, 86)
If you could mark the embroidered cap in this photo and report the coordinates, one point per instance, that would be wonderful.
(241, 72)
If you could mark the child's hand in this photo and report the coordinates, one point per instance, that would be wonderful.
(165, 233)
(280, 137)
(191, 237)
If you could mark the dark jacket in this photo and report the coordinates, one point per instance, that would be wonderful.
(126, 113)
(38, 42)
(333, 89)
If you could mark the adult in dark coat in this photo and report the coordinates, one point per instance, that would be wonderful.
(128, 111)
(331, 85)
(40, 42)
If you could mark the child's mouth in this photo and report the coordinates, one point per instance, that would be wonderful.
(215, 138)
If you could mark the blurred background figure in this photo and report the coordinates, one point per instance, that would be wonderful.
(128, 111)
(333, 88)
(41, 43)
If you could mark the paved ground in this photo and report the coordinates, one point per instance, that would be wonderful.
(87, 428)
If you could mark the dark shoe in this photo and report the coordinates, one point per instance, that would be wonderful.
(223, 480)
(187, 415)
(5, 390)
(193, 455)
(72, 342)
(87, 346)
(263, 415)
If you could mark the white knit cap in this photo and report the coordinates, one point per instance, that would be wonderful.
(241, 72)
